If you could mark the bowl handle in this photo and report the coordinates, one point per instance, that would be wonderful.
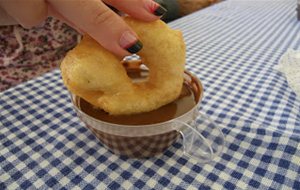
(203, 140)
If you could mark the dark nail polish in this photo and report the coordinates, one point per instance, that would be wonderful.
(159, 11)
(137, 46)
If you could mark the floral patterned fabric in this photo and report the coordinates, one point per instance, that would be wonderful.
(25, 54)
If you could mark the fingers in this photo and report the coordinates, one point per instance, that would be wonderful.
(28, 13)
(6, 19)
(101, 23)
(147, 10)
(90, 16)
(53, 13)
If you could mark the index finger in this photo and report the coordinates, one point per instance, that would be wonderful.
(101, 23)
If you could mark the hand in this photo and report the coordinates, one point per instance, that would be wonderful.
(90, 16)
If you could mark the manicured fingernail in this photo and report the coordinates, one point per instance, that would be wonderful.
(156, 8)
(135, 47)
(129, 42)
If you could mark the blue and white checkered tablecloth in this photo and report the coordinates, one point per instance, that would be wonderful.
(233, 48)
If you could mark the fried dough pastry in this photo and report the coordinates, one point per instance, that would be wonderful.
(96, 75)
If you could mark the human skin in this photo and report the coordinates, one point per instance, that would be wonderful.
(93, 17)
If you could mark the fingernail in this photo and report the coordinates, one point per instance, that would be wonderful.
(129, 42)
(156, 8)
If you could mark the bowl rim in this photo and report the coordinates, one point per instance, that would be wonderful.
(191, 75)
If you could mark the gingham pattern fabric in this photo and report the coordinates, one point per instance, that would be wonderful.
(232, 47)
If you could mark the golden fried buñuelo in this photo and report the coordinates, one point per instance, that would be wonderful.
(96, 75)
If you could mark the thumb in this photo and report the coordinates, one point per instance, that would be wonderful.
(101, 23)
